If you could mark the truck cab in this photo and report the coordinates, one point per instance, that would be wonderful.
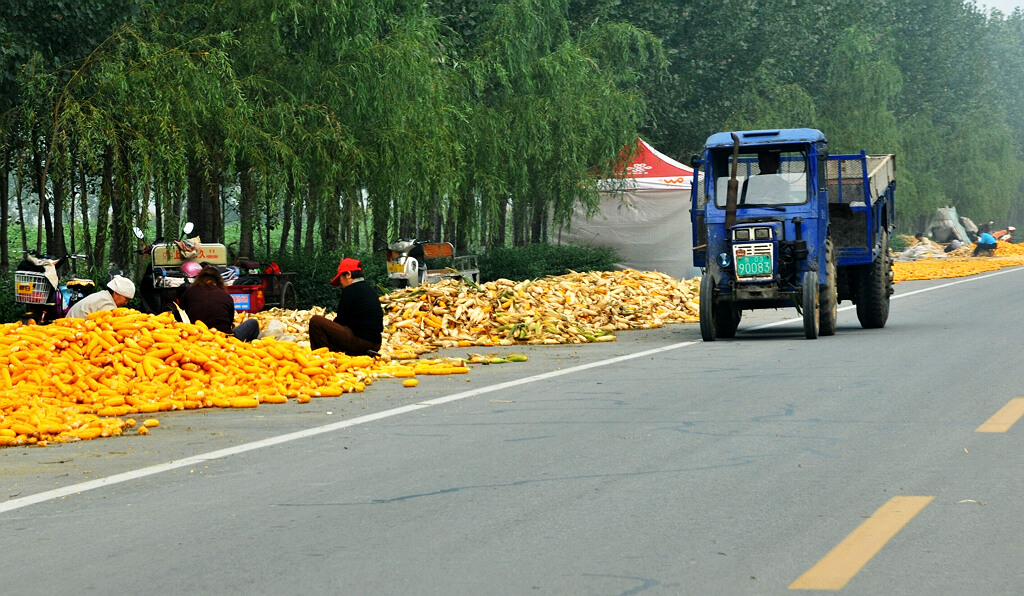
(773, 227)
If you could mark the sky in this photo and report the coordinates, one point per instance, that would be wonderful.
(1005, 6)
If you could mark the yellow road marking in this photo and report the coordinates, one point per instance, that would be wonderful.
(845, 560)
(1002, 420)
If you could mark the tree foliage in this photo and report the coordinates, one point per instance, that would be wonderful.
(316, 127)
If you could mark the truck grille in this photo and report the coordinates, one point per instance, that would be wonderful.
(754, 262)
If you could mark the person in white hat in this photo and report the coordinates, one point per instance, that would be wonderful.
(119, 291)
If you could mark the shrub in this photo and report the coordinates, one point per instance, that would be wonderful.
(539, 260)
(899, 242)
(313, 275)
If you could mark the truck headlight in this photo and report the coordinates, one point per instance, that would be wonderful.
(724, 261)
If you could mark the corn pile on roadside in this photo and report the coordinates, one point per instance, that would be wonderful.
(572, 308)
(959, 263)
(76, 379)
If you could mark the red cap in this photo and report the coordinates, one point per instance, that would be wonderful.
(346, 265)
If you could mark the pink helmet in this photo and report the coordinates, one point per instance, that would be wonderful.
(191, 268)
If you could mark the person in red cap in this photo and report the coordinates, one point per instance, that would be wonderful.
(359, 321)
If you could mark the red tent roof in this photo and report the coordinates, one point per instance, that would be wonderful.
(650, 163)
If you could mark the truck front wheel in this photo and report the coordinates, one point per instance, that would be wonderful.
(716, 320)
(875, 288)
(810, 304)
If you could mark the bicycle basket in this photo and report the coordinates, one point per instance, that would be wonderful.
(31, 288)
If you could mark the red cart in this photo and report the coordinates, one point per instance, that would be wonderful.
(275, 289)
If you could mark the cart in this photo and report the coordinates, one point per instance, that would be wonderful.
(275, 289)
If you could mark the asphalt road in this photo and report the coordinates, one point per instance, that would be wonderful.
(656, 464)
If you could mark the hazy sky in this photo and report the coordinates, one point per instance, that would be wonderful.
(1005, 6)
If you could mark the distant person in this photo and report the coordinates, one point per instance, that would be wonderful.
(767, 187)
(986, 246)
(953, 245)
(119, 291)
(768, 162)
(919, 237)
(208, 300)
(357, 326)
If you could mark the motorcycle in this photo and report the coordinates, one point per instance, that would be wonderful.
(407, 265)
(45, 296)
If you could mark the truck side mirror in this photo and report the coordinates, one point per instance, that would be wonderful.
(695, 161)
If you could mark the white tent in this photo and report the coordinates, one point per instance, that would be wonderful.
(644, 217)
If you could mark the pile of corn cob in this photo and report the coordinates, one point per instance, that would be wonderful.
(77, 379)
(959, 263)
(572, 308)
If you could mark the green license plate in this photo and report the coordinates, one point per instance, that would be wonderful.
(754, 266)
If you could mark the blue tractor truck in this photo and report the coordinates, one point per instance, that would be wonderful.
(778, 222)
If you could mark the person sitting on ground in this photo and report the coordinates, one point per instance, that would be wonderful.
(357, 326)
(986, 245)
(208, 301)
(119, 291)
(953, 245)
(919, 238)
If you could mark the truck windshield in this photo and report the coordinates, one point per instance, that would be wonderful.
(768, 177)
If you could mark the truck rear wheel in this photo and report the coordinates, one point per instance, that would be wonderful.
(810, 304)
(875, 289)
(829, 299)
(716, 320)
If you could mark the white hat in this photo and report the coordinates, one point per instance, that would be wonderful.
(122, 285)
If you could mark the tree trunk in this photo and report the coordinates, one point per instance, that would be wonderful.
(379, 215)
(58, 246)
(43, 214)
(501, 237)
(121, 216)
(172, 220)
(345, 236)
(158, 209)
(537, 220)
(246, 210)
(312, 197)
(5, 197)
(519, 221)
(19, 191)
(286, 217)
(84, 199)
(203, 202)
(330, 216)
(103, 210)
(299, 206)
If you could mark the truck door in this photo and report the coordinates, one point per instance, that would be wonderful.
(698, 200)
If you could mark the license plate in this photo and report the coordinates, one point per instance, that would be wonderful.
(24, 287)
(396, 267)
(241, 301)
(753, 266)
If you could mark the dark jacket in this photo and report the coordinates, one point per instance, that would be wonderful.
(211, 305)
(359, 309)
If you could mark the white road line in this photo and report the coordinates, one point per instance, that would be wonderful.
(12, 504)
(963, 280)
(18, 503)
